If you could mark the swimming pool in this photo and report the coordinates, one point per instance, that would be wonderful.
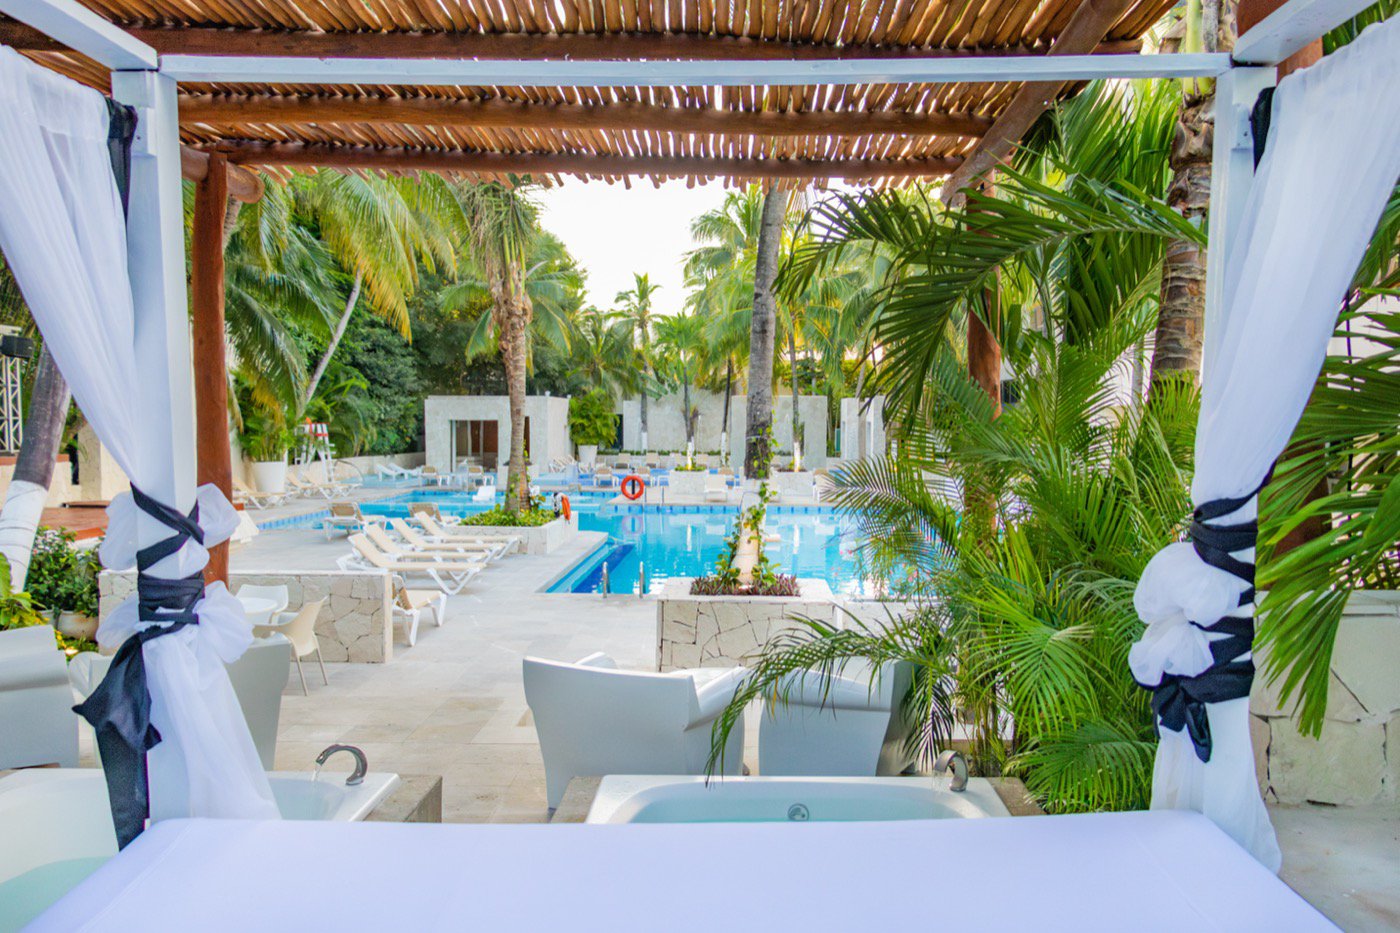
(676, 540)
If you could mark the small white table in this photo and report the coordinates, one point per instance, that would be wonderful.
(258, 609)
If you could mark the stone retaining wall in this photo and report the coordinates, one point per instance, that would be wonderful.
(723, 631)
(1356, 760)
(540, 539)
(355, 624)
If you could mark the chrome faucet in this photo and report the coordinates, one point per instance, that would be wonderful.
(959, 763)
(361, 763)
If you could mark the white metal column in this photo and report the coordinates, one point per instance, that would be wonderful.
(165, 390)
(1231, 177)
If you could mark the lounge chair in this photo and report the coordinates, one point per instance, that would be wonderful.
(603, 476)
(309, 488)
(395, 472)
(486, 493)
(594, 719)
(716, 488)
(430, 474)
(37, 723)
(243, 495)
(409, 606)
(345, 515)
(848, 725)
(439, 532)
(415, 540)
(449, 576)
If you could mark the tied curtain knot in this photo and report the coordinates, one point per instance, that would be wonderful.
(1180, 702)
(120, 708)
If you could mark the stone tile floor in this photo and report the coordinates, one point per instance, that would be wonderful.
(454, 705)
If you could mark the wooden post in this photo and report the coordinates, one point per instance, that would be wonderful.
(215, 463)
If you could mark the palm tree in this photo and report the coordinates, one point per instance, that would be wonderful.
(763, 335)
(637, 308)
(502, 225)
(683, 338)
(379, 229)
(603, 352)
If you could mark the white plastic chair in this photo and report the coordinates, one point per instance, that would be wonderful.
(276, 593)
(300, 630)
(850, 726)
(409, 606)
(37, 722)
(593, 719)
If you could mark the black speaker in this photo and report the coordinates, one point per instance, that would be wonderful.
(13, 345)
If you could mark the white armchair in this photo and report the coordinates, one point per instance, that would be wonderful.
(593, 719)
(37, 722)
(850, 728)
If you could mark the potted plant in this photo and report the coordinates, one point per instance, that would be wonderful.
(591, 423)
(265, 440)
(63, 582)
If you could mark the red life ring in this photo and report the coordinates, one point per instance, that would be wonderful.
(564, 507)
(633, 486)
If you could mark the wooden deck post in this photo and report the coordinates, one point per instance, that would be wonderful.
(215, 461)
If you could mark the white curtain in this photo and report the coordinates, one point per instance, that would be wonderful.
(1332, 159)
(63, 232)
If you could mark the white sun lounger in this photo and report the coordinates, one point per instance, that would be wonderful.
(439, 532)
(415, 540)
(450, 576)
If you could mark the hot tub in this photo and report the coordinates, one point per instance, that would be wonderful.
(57, 828)
(677, 799)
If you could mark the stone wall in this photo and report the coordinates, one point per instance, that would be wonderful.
(854, 421)
(539, 539)
(1356, 760)
(548, 417)
(723, 631)
(355, 624)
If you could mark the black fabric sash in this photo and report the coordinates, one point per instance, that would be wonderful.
(120, 708)
(1180, 702)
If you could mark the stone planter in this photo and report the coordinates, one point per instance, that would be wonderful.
(793, 485)
(1356, 760)
(587, 455)
(270, 476)
(76, 625)
(537, 539)
(723, 631)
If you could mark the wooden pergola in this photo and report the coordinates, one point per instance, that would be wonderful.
(786, 92)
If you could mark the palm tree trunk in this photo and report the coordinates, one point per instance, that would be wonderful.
(29, 489)
(646, 377)
(335, 341)
(797, 438)
(759, 422)
(515, 327)
(724, 425)
(685, 406)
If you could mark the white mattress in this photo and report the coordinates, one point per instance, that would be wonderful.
(1125, 871)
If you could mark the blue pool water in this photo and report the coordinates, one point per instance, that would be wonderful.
(677, 540)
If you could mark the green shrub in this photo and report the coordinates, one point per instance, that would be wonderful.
(591, 419)
(62, 578)
(723, 585)
(501, 517)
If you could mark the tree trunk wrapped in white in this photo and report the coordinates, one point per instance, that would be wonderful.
(64, 233)
(1302, 234)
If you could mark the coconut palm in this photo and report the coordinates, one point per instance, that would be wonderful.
(602, 352)
(379, 229)
(637, 307)
(682, 339)
(502, 225)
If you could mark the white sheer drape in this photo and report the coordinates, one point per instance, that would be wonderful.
(63, 233)
(1332, 158)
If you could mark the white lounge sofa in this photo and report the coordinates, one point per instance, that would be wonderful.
(851, 727)
(258, 679)
(593, 719)
(37, 722)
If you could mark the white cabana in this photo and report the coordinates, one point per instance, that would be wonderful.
(1296, 248)
(63, 230)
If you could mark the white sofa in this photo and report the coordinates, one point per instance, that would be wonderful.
(851, 727)
(258, 679)
(593, 719)
(37, 722)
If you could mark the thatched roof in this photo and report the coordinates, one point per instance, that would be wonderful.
(889, 133)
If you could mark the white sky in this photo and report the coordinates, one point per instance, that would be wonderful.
(614, 231)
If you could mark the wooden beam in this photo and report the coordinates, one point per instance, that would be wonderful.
(432, 111)
(560, 163)
(214, 457)
(1085, 30)
(196, 40)
(242, 184)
